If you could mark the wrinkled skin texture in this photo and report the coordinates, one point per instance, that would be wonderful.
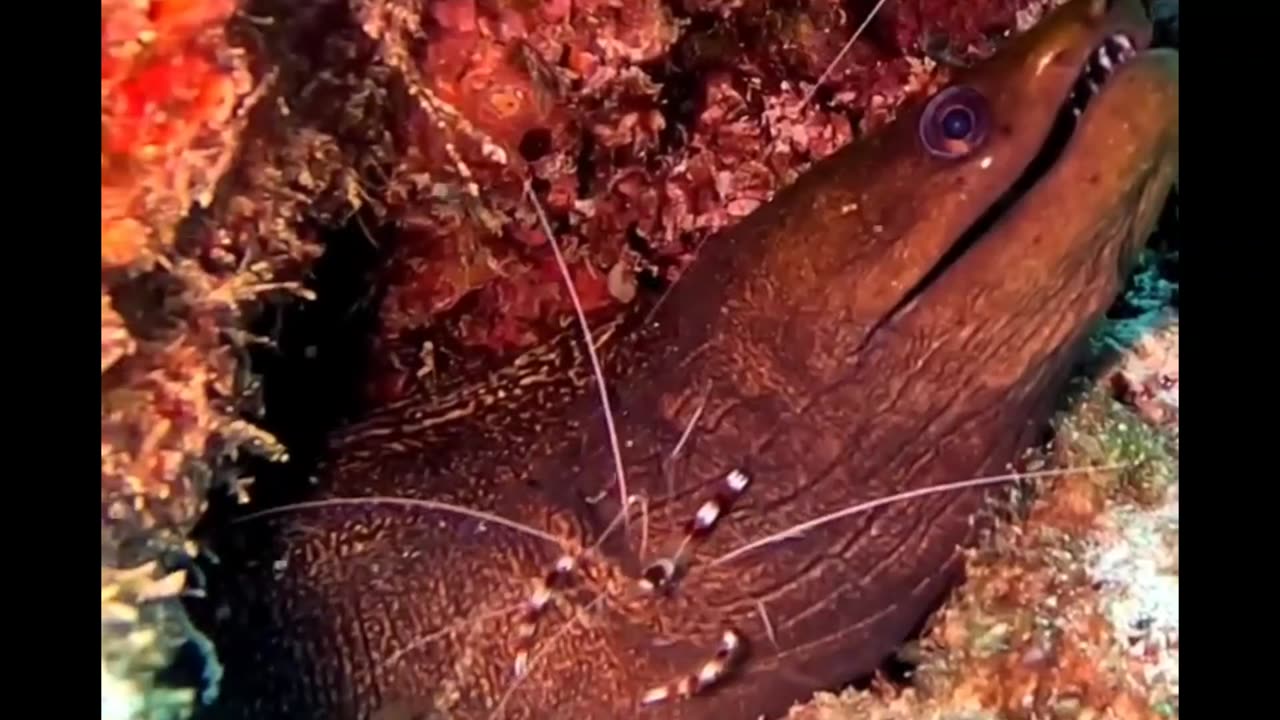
(842, 355)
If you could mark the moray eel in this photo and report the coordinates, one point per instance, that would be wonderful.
(903, 315)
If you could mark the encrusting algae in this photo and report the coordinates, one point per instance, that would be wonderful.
(212, 190)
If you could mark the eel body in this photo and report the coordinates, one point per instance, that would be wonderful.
(902, 316)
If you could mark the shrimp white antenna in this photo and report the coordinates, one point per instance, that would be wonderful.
(796, 530)
(591, 348)
(402, 502)
(843, 51)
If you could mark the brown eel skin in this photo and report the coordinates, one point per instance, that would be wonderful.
(895, 319)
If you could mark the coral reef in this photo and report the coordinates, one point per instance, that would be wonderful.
(224, 147)
(142, 624)
(172, 92)
(174, 100)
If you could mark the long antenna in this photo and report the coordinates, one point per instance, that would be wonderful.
(591, 350)
(843, 51)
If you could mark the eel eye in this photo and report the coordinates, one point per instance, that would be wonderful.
(955, 122)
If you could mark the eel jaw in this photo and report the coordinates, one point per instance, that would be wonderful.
(1109, 56)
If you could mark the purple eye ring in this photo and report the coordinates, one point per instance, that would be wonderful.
(955, 122)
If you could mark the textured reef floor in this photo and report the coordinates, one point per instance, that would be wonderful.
(245, 141)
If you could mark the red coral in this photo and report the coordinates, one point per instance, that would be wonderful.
(962, 24)
(169, 81)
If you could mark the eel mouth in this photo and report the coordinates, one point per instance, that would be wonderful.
(1109, 56)
(1103, 62)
